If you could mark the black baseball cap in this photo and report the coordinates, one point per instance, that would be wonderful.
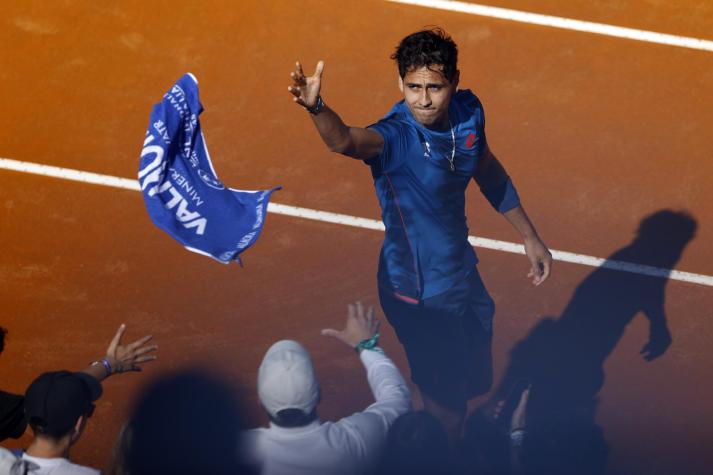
(55, 400)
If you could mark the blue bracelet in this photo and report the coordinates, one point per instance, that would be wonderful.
(105, 363)
(369, 344)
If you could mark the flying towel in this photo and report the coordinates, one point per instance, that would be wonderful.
(183, 194)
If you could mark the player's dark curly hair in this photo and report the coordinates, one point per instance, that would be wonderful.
(427, 48)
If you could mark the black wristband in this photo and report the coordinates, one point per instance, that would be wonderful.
(317, 108)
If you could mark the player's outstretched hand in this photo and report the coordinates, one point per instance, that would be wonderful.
(306, 88)
(361, 325)
(129, 357)
(540, 260)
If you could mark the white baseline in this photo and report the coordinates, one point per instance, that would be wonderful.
(364, 223)
(563, 23)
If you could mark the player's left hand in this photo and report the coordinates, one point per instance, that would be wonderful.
(540, 260)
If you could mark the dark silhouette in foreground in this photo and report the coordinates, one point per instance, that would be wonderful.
(183, 423)
(417, 444)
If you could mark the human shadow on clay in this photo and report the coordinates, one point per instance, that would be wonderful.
(562, 358)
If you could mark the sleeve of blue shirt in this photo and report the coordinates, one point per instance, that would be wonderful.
(495, 184)
(394, 135)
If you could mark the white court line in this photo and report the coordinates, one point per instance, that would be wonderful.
(564, 23)
(364, 223)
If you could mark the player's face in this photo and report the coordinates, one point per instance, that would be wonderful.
(427, 94)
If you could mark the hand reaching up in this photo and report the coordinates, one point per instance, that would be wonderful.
(129, 357)
(361, 325)
(306, 89)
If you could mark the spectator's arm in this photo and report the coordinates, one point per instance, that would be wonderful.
(364, 433)
(122, 358)
(388, 386)
(518, 424)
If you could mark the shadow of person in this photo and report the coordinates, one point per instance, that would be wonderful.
(562, 358)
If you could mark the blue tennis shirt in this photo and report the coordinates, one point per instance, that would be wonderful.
(426, 249)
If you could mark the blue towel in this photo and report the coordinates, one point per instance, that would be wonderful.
(183, 194)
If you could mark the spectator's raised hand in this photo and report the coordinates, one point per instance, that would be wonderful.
(361, 325)
(518, 420)
(129, 357)
(306, 89)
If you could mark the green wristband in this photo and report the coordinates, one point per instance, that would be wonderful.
(369, 344)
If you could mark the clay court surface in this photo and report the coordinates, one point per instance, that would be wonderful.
(597, 132)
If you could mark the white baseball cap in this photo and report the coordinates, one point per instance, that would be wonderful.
(286, 379)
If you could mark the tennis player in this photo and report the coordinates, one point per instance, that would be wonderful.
(423, 155)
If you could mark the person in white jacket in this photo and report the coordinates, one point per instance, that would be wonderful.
(296, 441)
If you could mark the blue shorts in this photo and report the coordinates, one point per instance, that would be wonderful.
(447, 339)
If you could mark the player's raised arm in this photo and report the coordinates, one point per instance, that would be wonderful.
(354, 142)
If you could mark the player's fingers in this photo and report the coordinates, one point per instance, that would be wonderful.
(298, 70)
(297, 79)
(534, 273)
(296, 91)
(117, 339)
(546, 267)
(319, 69)
(534, 263)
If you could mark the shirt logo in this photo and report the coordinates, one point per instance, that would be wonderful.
(470, 141)
(426, 149)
